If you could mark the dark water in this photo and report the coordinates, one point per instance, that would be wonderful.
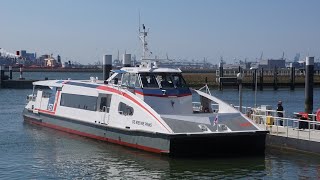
(32, 152)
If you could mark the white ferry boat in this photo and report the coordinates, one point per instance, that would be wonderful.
(148, 108)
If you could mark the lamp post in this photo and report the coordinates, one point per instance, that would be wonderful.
(256, 85)
(239, 79)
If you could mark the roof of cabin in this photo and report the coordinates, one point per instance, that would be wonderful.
(50, 83)
(145, 70)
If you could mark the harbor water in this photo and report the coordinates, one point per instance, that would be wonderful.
(33, 152)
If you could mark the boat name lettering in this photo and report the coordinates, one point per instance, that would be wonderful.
(141, 123)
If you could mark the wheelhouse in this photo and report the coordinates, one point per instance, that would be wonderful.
(164, 89)
(148, 80)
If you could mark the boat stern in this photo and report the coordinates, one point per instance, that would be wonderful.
(219, 144)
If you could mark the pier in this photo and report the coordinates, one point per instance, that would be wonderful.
(295, 134)
(8, 82)
(276, 78)
(283, 78)
(272, 79)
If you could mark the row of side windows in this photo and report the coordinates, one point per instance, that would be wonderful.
(90, 103)
(79, 101)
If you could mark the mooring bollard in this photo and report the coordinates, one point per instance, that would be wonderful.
(107, 66)
(261, 80)
(292, 76)
(21, 78)
(309, 85)
(220, 75)
(1, 75)
(239, 79)
(126, 60)
(10, 72)
(275, 78)
(254, 79)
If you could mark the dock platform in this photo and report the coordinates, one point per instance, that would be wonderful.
(282, 137)
(17, 84)
(291, 135)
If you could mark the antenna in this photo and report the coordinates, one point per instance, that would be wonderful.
(118, 55)
(139, 21)
(261, 55)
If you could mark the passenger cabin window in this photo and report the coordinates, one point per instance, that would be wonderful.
(105, 102)
(52, 98)
(125, 109)
(79, 101)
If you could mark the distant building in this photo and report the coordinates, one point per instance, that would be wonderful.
(27, 56)
(234, 66)
(272, 63)
(59, 59)
(50, 62)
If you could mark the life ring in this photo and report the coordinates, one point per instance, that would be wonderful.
(318, 115)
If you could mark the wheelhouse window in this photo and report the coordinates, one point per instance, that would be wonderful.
(125, 109)
(162, 80)
(178, 80)
(149, 81)
(125, 81)
(79, 101)
(129, 80)
(116, 79)
(165, 80)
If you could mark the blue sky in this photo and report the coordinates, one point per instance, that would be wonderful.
(84, 30)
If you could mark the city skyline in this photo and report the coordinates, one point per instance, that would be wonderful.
(85, 30)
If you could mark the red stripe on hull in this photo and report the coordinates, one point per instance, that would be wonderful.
(136, 146)
(105, 88)
(56, 102)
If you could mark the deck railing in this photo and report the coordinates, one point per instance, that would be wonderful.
(291, 127)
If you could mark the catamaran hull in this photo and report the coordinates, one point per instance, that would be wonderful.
(211, 144)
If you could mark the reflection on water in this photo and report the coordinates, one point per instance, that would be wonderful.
(33, 152)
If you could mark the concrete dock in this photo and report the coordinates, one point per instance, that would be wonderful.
(290, 136)
(304, 140)
(6, 81)
(17, 84)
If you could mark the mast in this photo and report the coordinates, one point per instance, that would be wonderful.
(142, 35)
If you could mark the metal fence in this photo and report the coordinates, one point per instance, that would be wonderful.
(290, 127)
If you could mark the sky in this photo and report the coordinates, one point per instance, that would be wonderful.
(85, 30)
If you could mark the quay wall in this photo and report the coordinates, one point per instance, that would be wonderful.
(197, 78)
(288, 143)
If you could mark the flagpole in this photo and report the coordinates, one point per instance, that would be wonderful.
(216, 122)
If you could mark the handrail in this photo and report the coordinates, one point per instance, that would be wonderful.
(292, 127)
